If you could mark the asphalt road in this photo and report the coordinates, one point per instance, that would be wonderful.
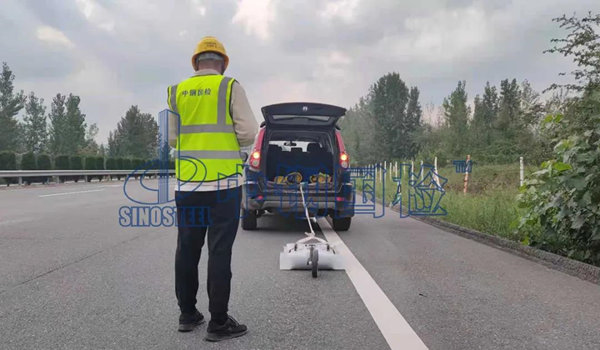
(72, 278)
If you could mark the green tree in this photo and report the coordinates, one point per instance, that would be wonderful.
(557, 102)
(8, 160)
(359, 133)
(560, 201)
(582, 45)
(76, 125)
(76, 163)
(389, 97)
(90, 163)
(10, 105)
(44, 162)
(91, 146)
(395, 130)
(58, 126)
(67, 125)
(28, 161)
(477, 130)
(490, 104)
(456, 115)
(35, 128)
(509, 109)
(414, 113)
(485, 113)
(136, 135)
(532, 108)
(61, 162)
(100, 163)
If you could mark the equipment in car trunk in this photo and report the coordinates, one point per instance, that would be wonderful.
(296, 178)
(290, 179)
(310, 253)
(321, 178)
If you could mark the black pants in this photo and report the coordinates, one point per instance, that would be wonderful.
(198, 212)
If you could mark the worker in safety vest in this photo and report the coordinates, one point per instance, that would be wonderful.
(215, 124)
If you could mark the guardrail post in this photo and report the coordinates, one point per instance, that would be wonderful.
(521, 172)
(435, 170)
(466, 180)
(20, 181)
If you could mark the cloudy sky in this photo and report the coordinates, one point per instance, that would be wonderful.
(118, 53)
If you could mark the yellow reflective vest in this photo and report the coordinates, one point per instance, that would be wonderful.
(207, 147)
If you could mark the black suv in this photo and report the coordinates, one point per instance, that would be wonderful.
(299, 144)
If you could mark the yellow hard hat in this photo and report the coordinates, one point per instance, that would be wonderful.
(210, 44)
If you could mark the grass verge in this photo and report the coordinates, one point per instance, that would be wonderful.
(490, 205)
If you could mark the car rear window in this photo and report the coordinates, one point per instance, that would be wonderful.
(287, 146)
(318, 118)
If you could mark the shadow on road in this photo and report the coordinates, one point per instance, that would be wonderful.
(283, 224)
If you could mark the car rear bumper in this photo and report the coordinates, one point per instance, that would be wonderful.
(340, 203)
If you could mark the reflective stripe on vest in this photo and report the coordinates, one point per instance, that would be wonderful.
(207, 146)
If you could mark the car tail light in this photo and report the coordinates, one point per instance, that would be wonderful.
(255, 155)
(255, 159)
(344, 162)
(344, 158)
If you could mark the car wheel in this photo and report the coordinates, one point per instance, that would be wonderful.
(249, 220)
(341, 224)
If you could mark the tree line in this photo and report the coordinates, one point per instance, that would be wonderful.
(28, 128)
(500, 125)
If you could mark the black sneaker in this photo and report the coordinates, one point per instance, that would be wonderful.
(230, 329)
(187, 322)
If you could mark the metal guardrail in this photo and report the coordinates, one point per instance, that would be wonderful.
(20, 174)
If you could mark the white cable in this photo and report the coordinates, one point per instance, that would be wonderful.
(306, 211)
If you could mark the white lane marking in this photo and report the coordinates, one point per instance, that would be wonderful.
(396, 331)
(15, 221)
(66, 193)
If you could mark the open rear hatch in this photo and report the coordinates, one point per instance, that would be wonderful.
(302, 114)
(300, 137)
(294, 156)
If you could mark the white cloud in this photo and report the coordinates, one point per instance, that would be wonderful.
(443, 36)
(86, 7)
(53, 36)
(96, 15)
(198, 7)
(256, 17)
(343, 9)
(333, 65)
(452, 33)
